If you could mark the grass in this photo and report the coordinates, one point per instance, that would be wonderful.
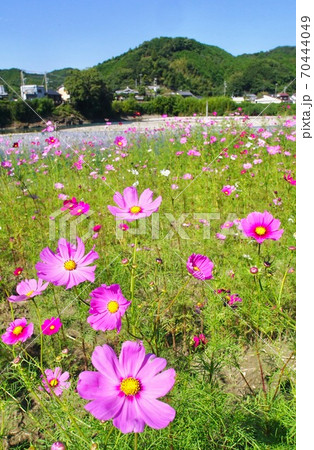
(237, 391)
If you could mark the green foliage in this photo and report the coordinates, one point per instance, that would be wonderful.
(6, 117)
(33, 110)
(178, 106)
(89, 94)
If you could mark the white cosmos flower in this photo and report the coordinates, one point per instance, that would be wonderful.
(165, 172)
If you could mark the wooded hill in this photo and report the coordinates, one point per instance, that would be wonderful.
(185, 64)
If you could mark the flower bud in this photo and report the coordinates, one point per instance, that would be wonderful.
(58, 446)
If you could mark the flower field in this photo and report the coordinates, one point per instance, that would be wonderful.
(147, 282)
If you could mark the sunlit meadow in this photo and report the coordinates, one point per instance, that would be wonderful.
(147, 286)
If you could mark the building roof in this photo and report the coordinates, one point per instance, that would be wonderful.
(185, 93)
(52, 92)
(127, 90)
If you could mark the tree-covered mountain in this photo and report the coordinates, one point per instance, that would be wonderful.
(185, 64)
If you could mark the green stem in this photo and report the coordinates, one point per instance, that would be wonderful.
(40, 334)
(108, 435)
(176, 296)
(281, 288)
(132, 281)
(135, 441)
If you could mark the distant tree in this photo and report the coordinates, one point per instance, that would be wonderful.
(89, 94)
(6, 117)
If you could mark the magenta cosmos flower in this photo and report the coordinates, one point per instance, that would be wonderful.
(68, 266)
(130, 207)
(120, 141)
(79, 209)
(18, 331)
(28, 289)
(261, 226)
(227, 190)
(51, 326)
(57, 381)
(126, 389)
(107, 307)
(200, 266)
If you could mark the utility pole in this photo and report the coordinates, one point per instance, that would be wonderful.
(206, 108)
(225, 87)
(22, 78)
(140, 79)
(46, 81)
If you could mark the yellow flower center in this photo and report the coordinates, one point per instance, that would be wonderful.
(113, 306)
(79, 210)
(29, 293)
(135, 209)
(196, 269)
(54, 382)
(119, 143)
(260, 231)
(130, 386)
(52, 327)
(70, 265)
(18, 330)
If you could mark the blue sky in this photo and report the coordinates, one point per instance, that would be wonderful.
(42, 36)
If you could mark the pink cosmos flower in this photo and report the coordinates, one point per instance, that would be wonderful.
(227, 225)
(69, 204)
(126, 389)
(277, 201)
(121, 141)
(290, 180)
(51, 326)
(196, 340)
(59, 186)
(200, 339)
(234, 298)
(107, 307)
(227, 190)
(247, 166)
(200, 266)
(221, 236)
(56, 381)
(187, 176)
(18, 331)
(49, 127)
(261, 226)
(79, 209)
(28, 289)
(123, 226)
(130, 207)
(58, 446)
(97, 228)
(68, 266)
(273, 149)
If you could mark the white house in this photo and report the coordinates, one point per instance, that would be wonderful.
(267, 99)
(29, 91)
(3, 93)
(238, 99)
(64, 94)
